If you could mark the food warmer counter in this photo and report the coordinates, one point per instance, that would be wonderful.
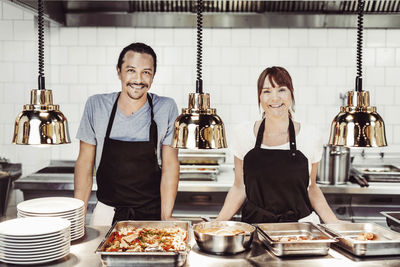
(83, 255)
(205, 198)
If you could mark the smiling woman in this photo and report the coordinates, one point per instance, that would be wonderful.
(276, 161)
(273, 85)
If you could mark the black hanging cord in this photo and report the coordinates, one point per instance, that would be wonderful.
(41, 83)
(199, 81)
(360, 22)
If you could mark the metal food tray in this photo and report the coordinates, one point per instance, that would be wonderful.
(177, 258)
(214, 169)
(201, 157)
(268, 232)
(392, 219)
(199, 172)
(377, 173)
(386, 243)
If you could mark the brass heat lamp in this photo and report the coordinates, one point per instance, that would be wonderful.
(199, 127)
(358, 124)
(41, 122)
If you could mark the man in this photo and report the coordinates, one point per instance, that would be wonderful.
(121, 134)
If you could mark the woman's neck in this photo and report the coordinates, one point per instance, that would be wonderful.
(276, 125)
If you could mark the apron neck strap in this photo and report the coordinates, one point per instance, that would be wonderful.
(153, 135)
(153, 126)
(260, 134)
(292, 135)
(111, 120)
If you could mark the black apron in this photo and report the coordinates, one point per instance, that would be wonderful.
(276, 183)
(128, 177)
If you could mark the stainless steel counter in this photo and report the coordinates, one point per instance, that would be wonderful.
(56, 181)
(82, 255)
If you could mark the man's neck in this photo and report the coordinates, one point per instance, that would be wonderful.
(129, 106)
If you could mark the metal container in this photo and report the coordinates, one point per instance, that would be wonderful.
(379, 172)
(387, 242)
(392, 219)
(270, 233)
(334, 166)
(224, 244)
(177, 258)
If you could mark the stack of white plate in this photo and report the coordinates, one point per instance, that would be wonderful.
(63, 207)
(34, 240)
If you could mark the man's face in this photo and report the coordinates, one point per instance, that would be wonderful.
(136, 74)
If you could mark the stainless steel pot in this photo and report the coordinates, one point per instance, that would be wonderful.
(334, 166)
(224, 244)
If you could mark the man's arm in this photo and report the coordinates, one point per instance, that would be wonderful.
(83, 176)
(169, 180)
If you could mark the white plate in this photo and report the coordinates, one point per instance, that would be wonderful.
(20, 250)
(29, 245)
(72, 218)
(4, 241)
(34, 254)
(12, 238)
(77, 231)
(33, 226)
(29, 256)
(80, 211)
(66, 216)
(36, 261)
(73, 238)
(50, 205)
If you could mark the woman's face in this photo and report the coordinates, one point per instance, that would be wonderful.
(275, 101)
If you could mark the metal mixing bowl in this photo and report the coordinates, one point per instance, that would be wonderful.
(224, 244)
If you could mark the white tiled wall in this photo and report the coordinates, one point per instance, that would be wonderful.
(81, 62)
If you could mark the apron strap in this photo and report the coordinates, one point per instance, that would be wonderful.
(260, 134)
(153, 135)
(111, 120)
(292, 136)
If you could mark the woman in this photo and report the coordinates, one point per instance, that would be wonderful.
(276, 161)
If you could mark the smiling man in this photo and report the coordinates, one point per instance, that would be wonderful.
(124, 135)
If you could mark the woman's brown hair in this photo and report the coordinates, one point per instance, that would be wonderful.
(277, 76)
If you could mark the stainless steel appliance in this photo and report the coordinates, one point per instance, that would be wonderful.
(334, 166)
(9, 172)
(201, 165)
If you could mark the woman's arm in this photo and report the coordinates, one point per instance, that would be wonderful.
(317, 199)
(236, 195)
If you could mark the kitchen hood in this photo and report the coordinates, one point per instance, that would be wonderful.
(220, 13)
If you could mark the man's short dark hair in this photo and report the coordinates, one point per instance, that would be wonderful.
(139, 48)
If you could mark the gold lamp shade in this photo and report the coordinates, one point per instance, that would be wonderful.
(199, 127)
(41, 122)
(358, 125)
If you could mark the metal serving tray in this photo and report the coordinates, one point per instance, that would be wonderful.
(145, 258)
(201, 157)
(392, 219)
(198, 172)
(386, 243)
(379, 173)
(270, 232)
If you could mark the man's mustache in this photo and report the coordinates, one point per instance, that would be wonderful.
(137, 84)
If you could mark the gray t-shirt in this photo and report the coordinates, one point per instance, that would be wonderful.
(135, 127)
